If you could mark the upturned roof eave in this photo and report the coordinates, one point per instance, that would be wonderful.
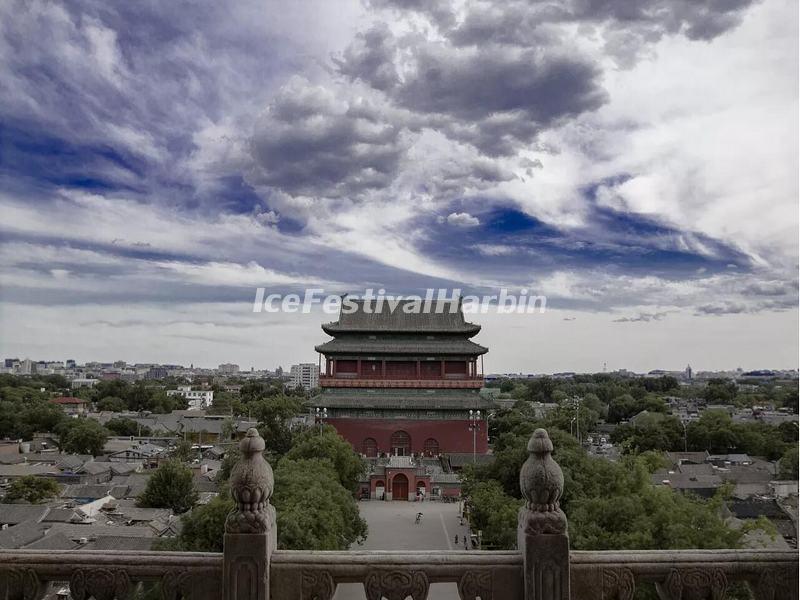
(469, 329)
(478, 350)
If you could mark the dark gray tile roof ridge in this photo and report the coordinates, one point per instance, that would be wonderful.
(393, 317)
(390, 345)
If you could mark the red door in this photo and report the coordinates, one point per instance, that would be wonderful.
(400, 487)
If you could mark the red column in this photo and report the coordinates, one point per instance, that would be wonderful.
(358, 368)
(383, 369)
(419, 373)
(334, 367)
(441, 369)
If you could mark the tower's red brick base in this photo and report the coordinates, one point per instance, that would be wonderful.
(449, 435)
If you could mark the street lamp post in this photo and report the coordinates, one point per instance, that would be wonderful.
(683, 423)
(319, 417)
(474, 427)
(577, 419)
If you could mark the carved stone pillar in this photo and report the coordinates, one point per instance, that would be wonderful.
(542, 528)
(250, 532)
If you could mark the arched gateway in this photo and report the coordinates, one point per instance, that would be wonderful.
(400, 487)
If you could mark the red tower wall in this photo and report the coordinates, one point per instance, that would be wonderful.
(453, 436)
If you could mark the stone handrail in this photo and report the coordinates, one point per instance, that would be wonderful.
(542, 569)
(302, 575)
(25, 574)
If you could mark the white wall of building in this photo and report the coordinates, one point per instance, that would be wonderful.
(305, 375)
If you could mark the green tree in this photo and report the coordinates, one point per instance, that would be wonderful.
(171, 486)
(713, 431)
(184, 451)
(720, 391)
(651, 431)
(230, 459)
(127, 427)
(592, 402)
(611, 505)
(563, 417)
(494, 513)
(225, 403)
(664, 383)
(161, 403)
(653, 460)
(83, 436)
(228, 430)
(40, 416)
(31, 489)
(273, 415)
(112, 404)
(56, 382)
(621, 408)
(328, 444)
(789, 431)
(111, 388)
(203, 528)
(139, 397)
(788, 464)
(314, 511)
(541, 389)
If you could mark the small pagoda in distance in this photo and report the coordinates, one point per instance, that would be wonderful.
(398, 383)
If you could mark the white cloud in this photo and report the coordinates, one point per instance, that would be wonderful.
(462, 220)
(698, 134)
(496, 249)
(706, 132)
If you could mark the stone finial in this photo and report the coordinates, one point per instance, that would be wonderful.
(542, 484)
(251, 487)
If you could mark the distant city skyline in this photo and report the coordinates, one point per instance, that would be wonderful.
(639, 344)
(635, 163)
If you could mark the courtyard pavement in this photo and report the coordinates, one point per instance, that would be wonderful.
(392, 527)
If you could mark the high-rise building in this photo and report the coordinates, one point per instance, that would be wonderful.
(228, 369)
(305, 375)
(400, 383)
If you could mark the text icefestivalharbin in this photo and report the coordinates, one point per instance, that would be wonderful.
(434, 301)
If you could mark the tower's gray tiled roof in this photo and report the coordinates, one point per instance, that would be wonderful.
(395, 319)
(394, 345)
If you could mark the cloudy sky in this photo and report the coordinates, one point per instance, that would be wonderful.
(634, 162)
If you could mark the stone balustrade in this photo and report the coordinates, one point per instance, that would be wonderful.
(542, 569)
